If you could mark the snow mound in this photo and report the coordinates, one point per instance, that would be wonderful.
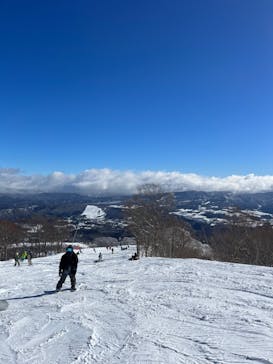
(93, 212)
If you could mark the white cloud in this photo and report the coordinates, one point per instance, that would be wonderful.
(106, 181)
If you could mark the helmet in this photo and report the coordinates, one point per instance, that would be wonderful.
(69, 249)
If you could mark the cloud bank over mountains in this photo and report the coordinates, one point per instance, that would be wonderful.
(111, 182)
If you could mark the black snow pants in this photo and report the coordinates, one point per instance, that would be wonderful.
(65, 273)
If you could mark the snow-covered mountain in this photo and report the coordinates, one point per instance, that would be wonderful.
(92, 212)
(154, 310)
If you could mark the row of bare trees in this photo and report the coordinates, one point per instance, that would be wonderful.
(243, 240)
(40, 235)
(156, 230)
(10, 233)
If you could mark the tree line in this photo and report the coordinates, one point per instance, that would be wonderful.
(40, 235)
(244, 239)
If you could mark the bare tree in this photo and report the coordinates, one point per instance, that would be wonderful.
(177, 239)
(156, 230)
(146, 213)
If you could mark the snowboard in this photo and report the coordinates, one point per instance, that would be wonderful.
(65, 289)
(60, 290)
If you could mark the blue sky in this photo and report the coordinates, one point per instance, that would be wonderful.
(137, 85)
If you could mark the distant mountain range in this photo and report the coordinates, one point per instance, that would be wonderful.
(198, 208)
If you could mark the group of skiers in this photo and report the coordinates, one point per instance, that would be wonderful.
(26, 255)
(67, 267)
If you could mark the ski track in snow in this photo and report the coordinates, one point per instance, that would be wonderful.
(153, 310)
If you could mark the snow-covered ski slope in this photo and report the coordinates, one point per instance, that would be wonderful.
(149, 311)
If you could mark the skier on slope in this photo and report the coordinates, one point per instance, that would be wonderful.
(17, 259)
(68, 266)
(29, 257)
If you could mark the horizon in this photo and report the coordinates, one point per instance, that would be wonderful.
(105, 182)
(175, 92)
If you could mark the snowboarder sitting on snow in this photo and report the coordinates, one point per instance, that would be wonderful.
(68, 266)
(134, 257)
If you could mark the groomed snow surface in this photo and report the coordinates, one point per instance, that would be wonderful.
(153, 310)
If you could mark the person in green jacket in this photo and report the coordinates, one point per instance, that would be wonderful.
(24, 255)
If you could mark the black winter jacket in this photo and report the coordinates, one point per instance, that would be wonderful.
(69, 261)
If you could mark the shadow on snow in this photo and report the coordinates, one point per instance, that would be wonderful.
(45, 293)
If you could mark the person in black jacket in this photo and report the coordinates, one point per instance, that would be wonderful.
(68, 266)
